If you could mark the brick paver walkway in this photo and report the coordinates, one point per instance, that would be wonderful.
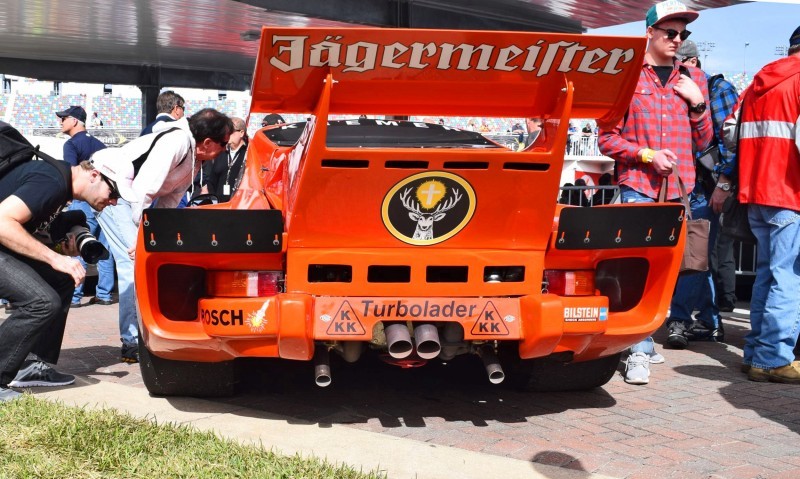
(699, 416)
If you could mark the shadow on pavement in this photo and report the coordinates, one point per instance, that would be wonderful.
(456, 392)
(91, 360)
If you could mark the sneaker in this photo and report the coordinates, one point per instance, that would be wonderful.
(39, 373)
(789, 374)
(677, 335)
(75, 305)
(102, 302)
(130, 353)
(700, 331)
(656, 358)
(7, 394)
(745, 368)
(637, 369)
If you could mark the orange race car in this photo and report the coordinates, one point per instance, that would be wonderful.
(415, 241)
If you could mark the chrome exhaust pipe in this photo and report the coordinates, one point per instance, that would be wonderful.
(398, 340)
(322, 367)
(426, 338)
(492, 365)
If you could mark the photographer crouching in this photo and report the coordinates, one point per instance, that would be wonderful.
(38, 278)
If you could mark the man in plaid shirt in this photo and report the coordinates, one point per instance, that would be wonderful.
(665, 122)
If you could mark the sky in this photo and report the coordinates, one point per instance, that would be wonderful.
(762, 25)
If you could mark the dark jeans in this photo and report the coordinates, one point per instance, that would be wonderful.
(723, 267)
(41, 297)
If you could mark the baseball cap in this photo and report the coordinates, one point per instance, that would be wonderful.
(272, 119)
(688, 49)
(795, 38)
(669, 10)
(118, 170)
(75, 111)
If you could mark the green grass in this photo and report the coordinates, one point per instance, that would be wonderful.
(42, 439)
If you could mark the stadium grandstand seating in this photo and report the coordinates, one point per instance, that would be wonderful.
(34, 111)
(118, 112)
(3, 104)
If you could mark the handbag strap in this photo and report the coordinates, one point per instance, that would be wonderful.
(684, 197)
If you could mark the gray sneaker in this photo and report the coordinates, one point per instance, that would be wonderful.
(637, 369)
(39, 373)
(7, 394)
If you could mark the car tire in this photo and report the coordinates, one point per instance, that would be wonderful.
(550, 375)
(166, 377)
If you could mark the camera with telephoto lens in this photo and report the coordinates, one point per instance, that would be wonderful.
(74, 222)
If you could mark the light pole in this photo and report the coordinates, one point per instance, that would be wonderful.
(706, 48)
(744, 60)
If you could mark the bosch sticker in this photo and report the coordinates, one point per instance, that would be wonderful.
(428, 208)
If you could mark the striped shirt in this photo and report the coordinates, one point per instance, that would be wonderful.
(658, 118)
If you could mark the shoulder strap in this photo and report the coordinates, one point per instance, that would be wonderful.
(138, 162)
(57, 164)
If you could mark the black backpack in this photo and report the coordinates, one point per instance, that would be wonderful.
(15, 149)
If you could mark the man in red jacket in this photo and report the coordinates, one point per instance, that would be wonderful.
(769, 182)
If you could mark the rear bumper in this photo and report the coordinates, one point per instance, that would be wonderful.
(287, 325)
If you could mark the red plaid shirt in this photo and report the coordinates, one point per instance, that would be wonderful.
(658, 118)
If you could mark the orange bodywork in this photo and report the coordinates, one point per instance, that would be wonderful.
(347, 207)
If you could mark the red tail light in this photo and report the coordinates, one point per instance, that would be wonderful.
(568, 283)
(244, 284)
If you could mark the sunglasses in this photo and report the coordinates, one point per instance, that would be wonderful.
(114, 195)
(671, 34)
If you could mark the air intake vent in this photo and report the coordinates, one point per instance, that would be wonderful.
(519, 166)
(466, 165)
(345, 163)
(447, 274)
(389, 274)
(504, 274)
(330, 273)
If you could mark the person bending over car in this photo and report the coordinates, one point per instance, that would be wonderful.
(162, 180)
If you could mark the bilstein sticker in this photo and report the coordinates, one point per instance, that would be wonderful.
(585, 314)
(428, 208)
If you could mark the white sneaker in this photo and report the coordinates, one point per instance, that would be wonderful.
(656, 358)
(637, 369)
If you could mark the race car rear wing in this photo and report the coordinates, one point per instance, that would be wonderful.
(445, 72)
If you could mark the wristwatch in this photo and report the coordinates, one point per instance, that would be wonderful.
(724, 186)
(699, 108)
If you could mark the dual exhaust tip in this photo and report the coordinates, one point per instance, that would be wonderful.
(400, 346)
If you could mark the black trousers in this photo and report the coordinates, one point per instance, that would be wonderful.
(40, 296)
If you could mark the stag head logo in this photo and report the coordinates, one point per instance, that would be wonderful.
(428, 208)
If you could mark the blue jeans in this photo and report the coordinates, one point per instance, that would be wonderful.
(41, 296)
(117, 223)
(629, 195)
(105, 268)
(697, 291)
(775, 303)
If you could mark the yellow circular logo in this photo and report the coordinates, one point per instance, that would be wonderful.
(428, 208)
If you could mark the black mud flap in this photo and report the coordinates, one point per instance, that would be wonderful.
(191, 230)
(624, 226)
